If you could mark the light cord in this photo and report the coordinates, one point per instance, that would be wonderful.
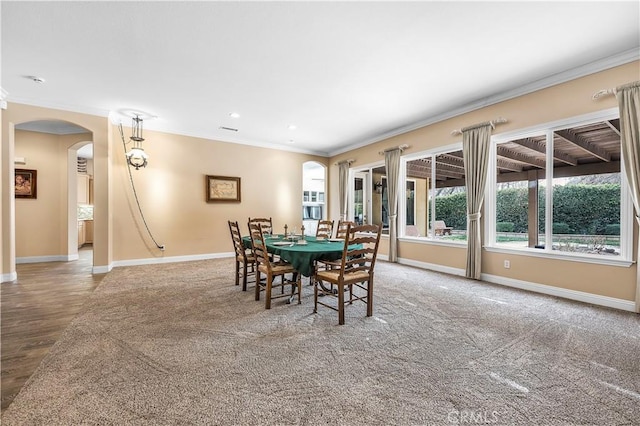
(135, 194)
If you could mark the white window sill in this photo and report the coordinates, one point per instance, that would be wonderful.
(594, 259)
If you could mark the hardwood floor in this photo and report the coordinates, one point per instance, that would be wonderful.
(35, 310)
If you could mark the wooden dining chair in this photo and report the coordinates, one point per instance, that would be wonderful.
(355, 272)
(267, 227)
(272, 270)
(341, 229)
(266, 223)
(244, 257)
(341, 232)
(325, 229)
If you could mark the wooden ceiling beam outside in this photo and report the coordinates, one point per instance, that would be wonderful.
(520, 158)
(540, 147)
(508, 165)
(584, 144)
(425, 172)
(451, 160)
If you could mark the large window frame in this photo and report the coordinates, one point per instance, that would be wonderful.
(402, 206)
(626, 206)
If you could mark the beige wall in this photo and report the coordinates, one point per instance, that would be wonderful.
(39, 223)
(172, 190)
(554, 103)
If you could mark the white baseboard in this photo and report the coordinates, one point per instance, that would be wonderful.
(39, 259)
(580, 296)
(102, 269)
(12, 276)
(172, 259)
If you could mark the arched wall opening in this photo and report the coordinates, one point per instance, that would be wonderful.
(16, 119)
(314, 199)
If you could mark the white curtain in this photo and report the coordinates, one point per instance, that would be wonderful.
(628, 97)
(343, 182)
(475, 151)
(392, 163)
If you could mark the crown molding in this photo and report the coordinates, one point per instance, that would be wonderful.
(99, 112)
(543, 83)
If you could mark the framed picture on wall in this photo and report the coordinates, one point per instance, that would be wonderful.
(223, 188)
(26, 183)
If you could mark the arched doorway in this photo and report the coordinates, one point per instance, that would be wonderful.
(47, 226)
(313, 195)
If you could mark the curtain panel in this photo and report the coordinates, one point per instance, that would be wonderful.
(628, 97)
(392, 164)
(475, 151)
(343, 187)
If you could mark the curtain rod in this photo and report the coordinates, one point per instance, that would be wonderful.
(493, 124)
(603, 92)
(349, 161)
(401, 148)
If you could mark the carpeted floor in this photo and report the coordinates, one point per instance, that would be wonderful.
(180, 344)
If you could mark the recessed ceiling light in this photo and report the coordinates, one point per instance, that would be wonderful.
(292, 127)
(234, 115)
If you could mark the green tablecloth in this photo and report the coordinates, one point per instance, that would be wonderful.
(302, 257)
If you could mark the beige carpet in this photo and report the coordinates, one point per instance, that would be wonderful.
(180, 344)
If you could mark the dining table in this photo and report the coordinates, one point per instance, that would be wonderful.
(302, 253)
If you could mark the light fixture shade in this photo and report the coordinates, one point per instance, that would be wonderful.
(137, 157)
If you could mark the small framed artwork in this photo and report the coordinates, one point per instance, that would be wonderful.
(26, 183)
(223, 189)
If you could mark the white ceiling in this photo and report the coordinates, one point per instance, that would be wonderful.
(344, 73)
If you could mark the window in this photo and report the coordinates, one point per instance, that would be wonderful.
(586, 189)
(520, 188)
(313, 196)
(582, 212)
(436, 193)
